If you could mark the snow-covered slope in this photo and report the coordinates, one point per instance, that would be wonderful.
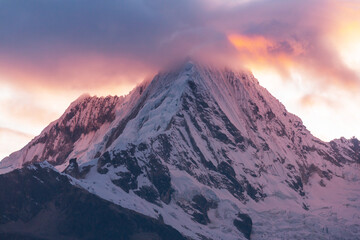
(211, 153)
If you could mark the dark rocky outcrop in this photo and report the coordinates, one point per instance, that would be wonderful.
(202, 206)
(73, 168)
(296, 184)
(148, 193)
(126, 180)
(198, 208)
(243, 223)
(159, 175)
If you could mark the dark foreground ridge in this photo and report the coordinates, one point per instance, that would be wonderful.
(39, 203)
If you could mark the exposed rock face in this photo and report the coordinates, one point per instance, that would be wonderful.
(73, 168)
(209, 152)
(244, 224)
(83, 117)
(75, 171)
(202, 206)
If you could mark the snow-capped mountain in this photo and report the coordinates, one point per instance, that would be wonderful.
(210, 153)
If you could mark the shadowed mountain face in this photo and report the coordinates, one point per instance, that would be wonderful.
(209, 152)
(39, 203)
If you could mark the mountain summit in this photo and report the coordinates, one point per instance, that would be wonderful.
(209, 152)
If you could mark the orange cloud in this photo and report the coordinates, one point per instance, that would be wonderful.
(315, 60)
(310, 100)
(258, 52)
(254, 45)
(84, 72)
(22, 108)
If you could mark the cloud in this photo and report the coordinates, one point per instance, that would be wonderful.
(103, 42)
(24, 108)
(311, 100)
(12, 140)
(4, 131)
(296, 35)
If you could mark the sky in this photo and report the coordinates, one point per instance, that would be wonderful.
(305, 52)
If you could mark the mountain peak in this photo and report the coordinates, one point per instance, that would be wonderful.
(205, 149)
(146, 111)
